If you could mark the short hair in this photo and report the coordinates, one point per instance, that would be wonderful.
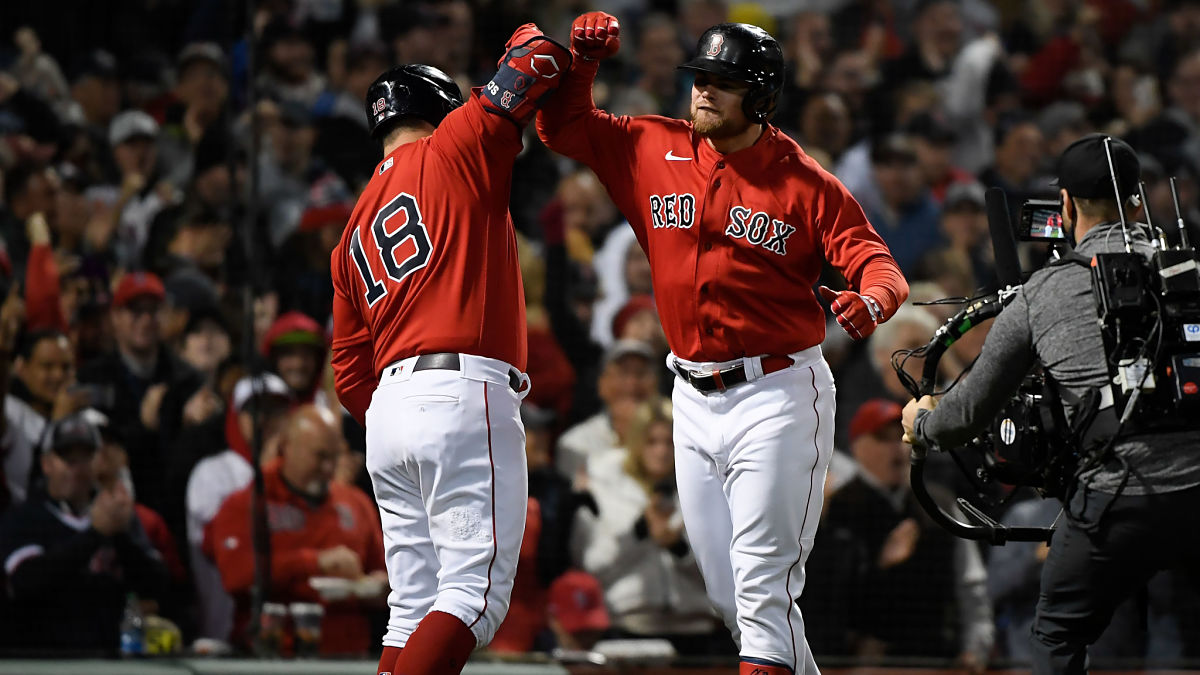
(1100, 207)
(31, 339)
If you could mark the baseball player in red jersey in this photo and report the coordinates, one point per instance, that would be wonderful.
(429, 347)
(736, 220)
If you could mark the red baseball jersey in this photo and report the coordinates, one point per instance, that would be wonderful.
(735, 241)
(299, 532)
(428, 261)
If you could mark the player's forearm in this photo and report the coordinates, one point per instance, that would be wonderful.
(882, 280)
(560, 119)
(970, 406)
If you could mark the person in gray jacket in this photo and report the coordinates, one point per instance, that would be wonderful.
(1140, 513)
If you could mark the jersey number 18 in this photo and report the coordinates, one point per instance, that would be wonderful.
(386, 242)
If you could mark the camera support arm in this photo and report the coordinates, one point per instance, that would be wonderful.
(984, 528)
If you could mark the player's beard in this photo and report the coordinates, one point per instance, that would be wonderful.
(714, 126)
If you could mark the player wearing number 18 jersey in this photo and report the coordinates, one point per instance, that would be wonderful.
(429, 347)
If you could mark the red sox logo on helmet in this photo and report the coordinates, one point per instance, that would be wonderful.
(714, 45)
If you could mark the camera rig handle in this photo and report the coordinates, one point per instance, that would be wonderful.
(983, 527)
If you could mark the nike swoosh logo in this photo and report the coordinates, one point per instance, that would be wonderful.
(671, 157)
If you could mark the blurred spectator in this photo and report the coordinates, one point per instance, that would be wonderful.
(296, 349)
(576, 610)
(1061, 124)
(548, 364)
(187, 293)
(636, 545)
(150, 386)
(318, 528)
(305, 255)
(919, 591)
(545, 550)
(208, 187)
(264, 400)
(110, 465)
(95, 90)
(869, 373)
(70, 556)
(628, 379)
(342, 140)
(132, 135)
(965, 228)
(933, 141)
(623, 272)
(289, 60)
(200, 240)
(38, 72)
(1018, 158)
(906, 217)
(825, 127)
(658, 50)
(40, 393)
(286, 166)
(12, 314)
(28, 189)
(411, 29)
(200, 91)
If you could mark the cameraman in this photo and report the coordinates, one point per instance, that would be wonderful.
(1123, 516)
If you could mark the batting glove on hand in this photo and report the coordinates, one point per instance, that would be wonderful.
(595, 36)
(530, 68)
(858, 315)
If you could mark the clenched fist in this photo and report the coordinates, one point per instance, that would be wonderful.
(595, 36)
(856, 314)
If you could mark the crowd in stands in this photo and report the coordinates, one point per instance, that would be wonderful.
(161, 332)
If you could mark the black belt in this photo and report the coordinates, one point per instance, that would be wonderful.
(450, 361)
(720, 380)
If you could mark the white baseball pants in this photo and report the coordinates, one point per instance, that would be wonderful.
(446, 455)
(751, 463)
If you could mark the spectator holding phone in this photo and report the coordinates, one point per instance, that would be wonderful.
(636, 546)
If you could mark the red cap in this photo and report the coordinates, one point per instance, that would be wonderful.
(636, 304)
(137, 284)
(874, 415)
(577, 601)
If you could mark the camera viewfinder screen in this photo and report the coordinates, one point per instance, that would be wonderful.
(1046, 224)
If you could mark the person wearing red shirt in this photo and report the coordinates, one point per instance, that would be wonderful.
(737, 222)
(429, 347)
(319, 528)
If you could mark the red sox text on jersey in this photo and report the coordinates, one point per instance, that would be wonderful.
(735, 241)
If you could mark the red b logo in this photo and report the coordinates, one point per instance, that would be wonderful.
(714, 45)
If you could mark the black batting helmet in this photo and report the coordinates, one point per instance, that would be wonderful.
(744, 53)
(414, 90)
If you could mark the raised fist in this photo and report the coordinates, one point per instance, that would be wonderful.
(533, 66)
(856, 314)
(595, 36)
